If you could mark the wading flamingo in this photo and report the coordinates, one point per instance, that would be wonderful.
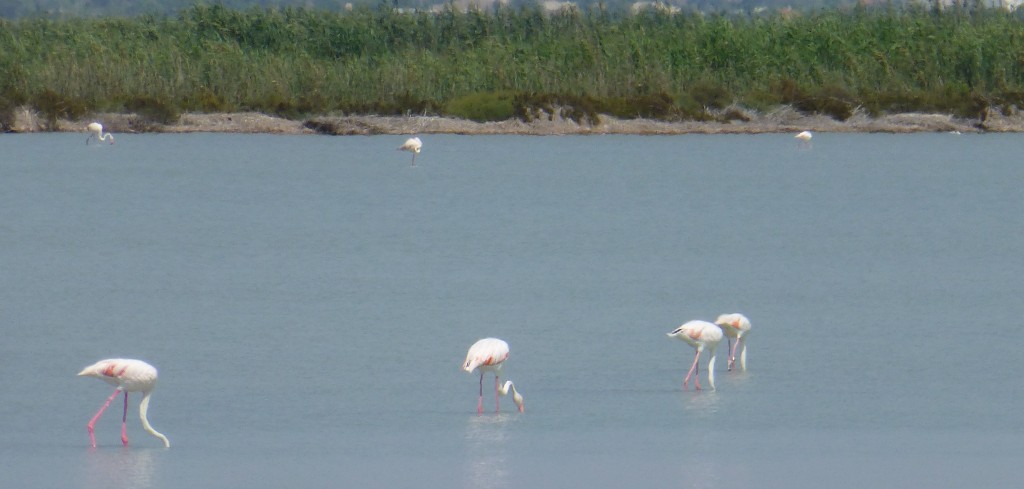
(805, 138)
(96, 130)
(489, 355)
(413, 146)
(736, 326)
(127, 376)
(701, 335)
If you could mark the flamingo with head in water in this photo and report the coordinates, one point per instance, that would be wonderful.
(489, 355)
(127, 376)
(701, 335)
(96, 130)
(737, 326)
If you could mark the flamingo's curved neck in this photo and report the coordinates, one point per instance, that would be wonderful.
(516, 397)
(143, 408)
(711, 370)
(743, 352)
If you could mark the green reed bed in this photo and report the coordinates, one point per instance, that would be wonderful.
(510, 61)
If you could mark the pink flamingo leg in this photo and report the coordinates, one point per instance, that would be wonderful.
(730, 359)
(124, 421)
(480, 400)
(696, 380)
(92, 422)
(497, 395)
(732, 353)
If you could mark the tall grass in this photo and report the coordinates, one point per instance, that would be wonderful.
(299, 61)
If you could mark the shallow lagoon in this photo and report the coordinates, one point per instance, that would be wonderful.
(309, 300)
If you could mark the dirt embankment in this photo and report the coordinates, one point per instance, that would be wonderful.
(781, 120)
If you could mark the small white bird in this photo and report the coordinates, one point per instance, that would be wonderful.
(701, 335)
(412, 145)
(805, 138)
(736, 326)
(96, 130)
(128, 376)
(489, 355)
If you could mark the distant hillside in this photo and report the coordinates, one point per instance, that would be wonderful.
(13, 9)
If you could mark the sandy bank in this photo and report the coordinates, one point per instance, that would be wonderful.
(781, 120)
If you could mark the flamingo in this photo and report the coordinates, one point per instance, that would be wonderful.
(97, 130)
(805, 138)
(700, 335)
(736, 326)
(489, 355)
(129, 376)
(413, 146)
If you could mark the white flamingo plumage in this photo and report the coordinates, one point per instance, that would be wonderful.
(126, 375)
(96, 130)
(804, 137)
(737, 326)
(489, 355)
(412, 145)
(701, 335)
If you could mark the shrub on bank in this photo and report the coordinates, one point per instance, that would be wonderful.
(482, 107)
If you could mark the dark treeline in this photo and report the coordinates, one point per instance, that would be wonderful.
(513, 61)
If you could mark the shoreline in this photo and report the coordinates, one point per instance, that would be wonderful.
(782, 120)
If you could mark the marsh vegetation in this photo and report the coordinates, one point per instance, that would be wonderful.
(515, 62)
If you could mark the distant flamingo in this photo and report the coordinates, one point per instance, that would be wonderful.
(97, 131)
(128, 376)
(805, 138)
(700, 335)
(412, 145)
(736, 326)
(489, 355)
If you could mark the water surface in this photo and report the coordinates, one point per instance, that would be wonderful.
(309, 300)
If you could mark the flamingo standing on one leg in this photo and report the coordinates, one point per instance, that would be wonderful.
(412, 145)
(489, 355)
(701, 335)
(736, 326)
(96, 129)
(128, 376)
(805, 138)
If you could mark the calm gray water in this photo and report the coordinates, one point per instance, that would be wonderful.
(309, 301)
